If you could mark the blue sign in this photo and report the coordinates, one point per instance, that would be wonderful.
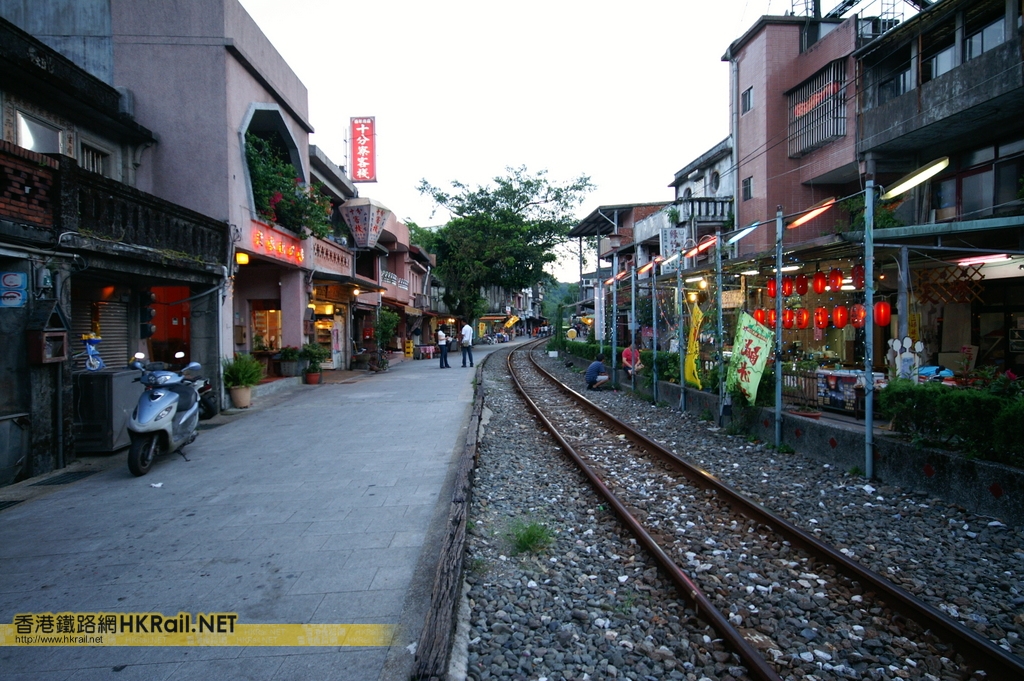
(13, 289)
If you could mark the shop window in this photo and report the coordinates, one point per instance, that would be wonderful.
(747, 100)
(984, 40)
(38, 136)
(1009, 176)
(747, 188)
(266, 324)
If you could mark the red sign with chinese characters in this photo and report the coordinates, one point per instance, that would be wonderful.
(364, 149)
(266, 241)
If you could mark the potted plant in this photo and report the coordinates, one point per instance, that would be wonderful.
(289, 360)
(241, 373)
(315, 354)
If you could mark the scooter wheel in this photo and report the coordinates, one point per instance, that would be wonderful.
(141, 454)
(207, 406)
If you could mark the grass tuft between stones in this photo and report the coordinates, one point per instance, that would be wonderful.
(529, 537)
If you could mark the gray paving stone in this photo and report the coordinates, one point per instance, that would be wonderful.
(349, 579)
(235, 668)
(361, 607)
(350, 663)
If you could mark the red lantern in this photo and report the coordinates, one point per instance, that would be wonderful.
(788, 317)
(820, 317)
(835, 279)
(801, 284)
(772, 290)
(803, 318)
(859, 315)
(858, 276)
(787, 286)
(840, 315)
(771, 318)
(818, 282)
(883, 313)
(760, 316)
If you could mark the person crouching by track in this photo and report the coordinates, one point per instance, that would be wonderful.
(631, 360)
(597, 374)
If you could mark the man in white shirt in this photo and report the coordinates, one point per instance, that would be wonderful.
(467, 344)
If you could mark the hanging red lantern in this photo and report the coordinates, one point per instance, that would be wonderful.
(820, 317)
(883, 313)
(803, 318)
(788, 318)
(772, 290)
(840, 316)
(801, 284)
(760, 316)
(858, 315)
(858, 276)
(771, 318)
(835, 279)
(819, 282)
(787, 286)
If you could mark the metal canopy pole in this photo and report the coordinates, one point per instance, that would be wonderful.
(632, 325)
(869, 327)
(654, 332)
(778, 327)
(721, 344)
(680, 301)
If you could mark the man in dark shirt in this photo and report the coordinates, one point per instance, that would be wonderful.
(597, 374)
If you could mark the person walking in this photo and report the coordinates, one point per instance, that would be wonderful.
(467, 344)
(442, 344)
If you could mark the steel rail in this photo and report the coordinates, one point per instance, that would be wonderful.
(980, 651)
(757, 666)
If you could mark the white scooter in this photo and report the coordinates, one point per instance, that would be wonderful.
(166, 416)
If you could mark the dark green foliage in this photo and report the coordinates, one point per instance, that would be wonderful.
(280, 196)
(315, 354)
(976, 421)
(384, 331)
(501, 235)
(668, 365)
(242, 371)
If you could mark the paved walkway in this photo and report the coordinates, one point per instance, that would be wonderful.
(318, 505)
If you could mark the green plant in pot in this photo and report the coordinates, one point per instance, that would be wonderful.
(289, 357)
(315, 354)
(241, 373)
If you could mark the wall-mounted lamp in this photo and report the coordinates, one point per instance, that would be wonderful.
(355, 291)
(241, 258)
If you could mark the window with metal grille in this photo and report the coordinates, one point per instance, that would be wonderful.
(94, 160)
(817, 110)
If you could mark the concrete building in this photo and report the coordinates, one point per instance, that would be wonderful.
(84, 252)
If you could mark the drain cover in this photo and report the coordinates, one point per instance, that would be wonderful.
(63, 478)
(8, 504)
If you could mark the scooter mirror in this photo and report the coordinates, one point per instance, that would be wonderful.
(193, 366)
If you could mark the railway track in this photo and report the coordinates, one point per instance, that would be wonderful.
(695, 527)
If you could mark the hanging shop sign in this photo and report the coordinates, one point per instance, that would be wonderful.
(752, 347)
(693, 347)
(267, 241)
(363, 133)
(366, 218)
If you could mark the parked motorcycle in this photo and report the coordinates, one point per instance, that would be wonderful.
(166, 417)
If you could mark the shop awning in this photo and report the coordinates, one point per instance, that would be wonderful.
(413, 311)
(492, 318)
(512, 320)
(364, 285)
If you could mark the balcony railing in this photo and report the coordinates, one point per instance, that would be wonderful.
(705, 209)
(113, 211)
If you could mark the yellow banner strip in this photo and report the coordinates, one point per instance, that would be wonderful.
(366, 635)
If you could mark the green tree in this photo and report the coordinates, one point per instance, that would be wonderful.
(500, 235)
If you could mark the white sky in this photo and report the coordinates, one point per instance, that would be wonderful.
(627, 93)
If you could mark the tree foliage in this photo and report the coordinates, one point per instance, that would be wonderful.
(500, 235)
(280, 196)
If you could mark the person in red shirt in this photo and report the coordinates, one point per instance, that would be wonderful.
(631, 359)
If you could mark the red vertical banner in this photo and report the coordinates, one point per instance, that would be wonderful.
(362, 132)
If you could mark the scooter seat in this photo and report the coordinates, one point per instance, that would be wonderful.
(187, 396)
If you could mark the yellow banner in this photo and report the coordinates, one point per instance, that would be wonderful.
(185, 629)
(693, 347)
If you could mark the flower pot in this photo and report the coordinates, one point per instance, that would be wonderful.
(314, 378)
(289, 367)
(241, 397)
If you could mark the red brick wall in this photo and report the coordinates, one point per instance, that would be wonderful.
(21, 169)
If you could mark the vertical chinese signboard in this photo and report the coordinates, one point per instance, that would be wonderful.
(750, 353)
(362, 132)
(690, 372)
